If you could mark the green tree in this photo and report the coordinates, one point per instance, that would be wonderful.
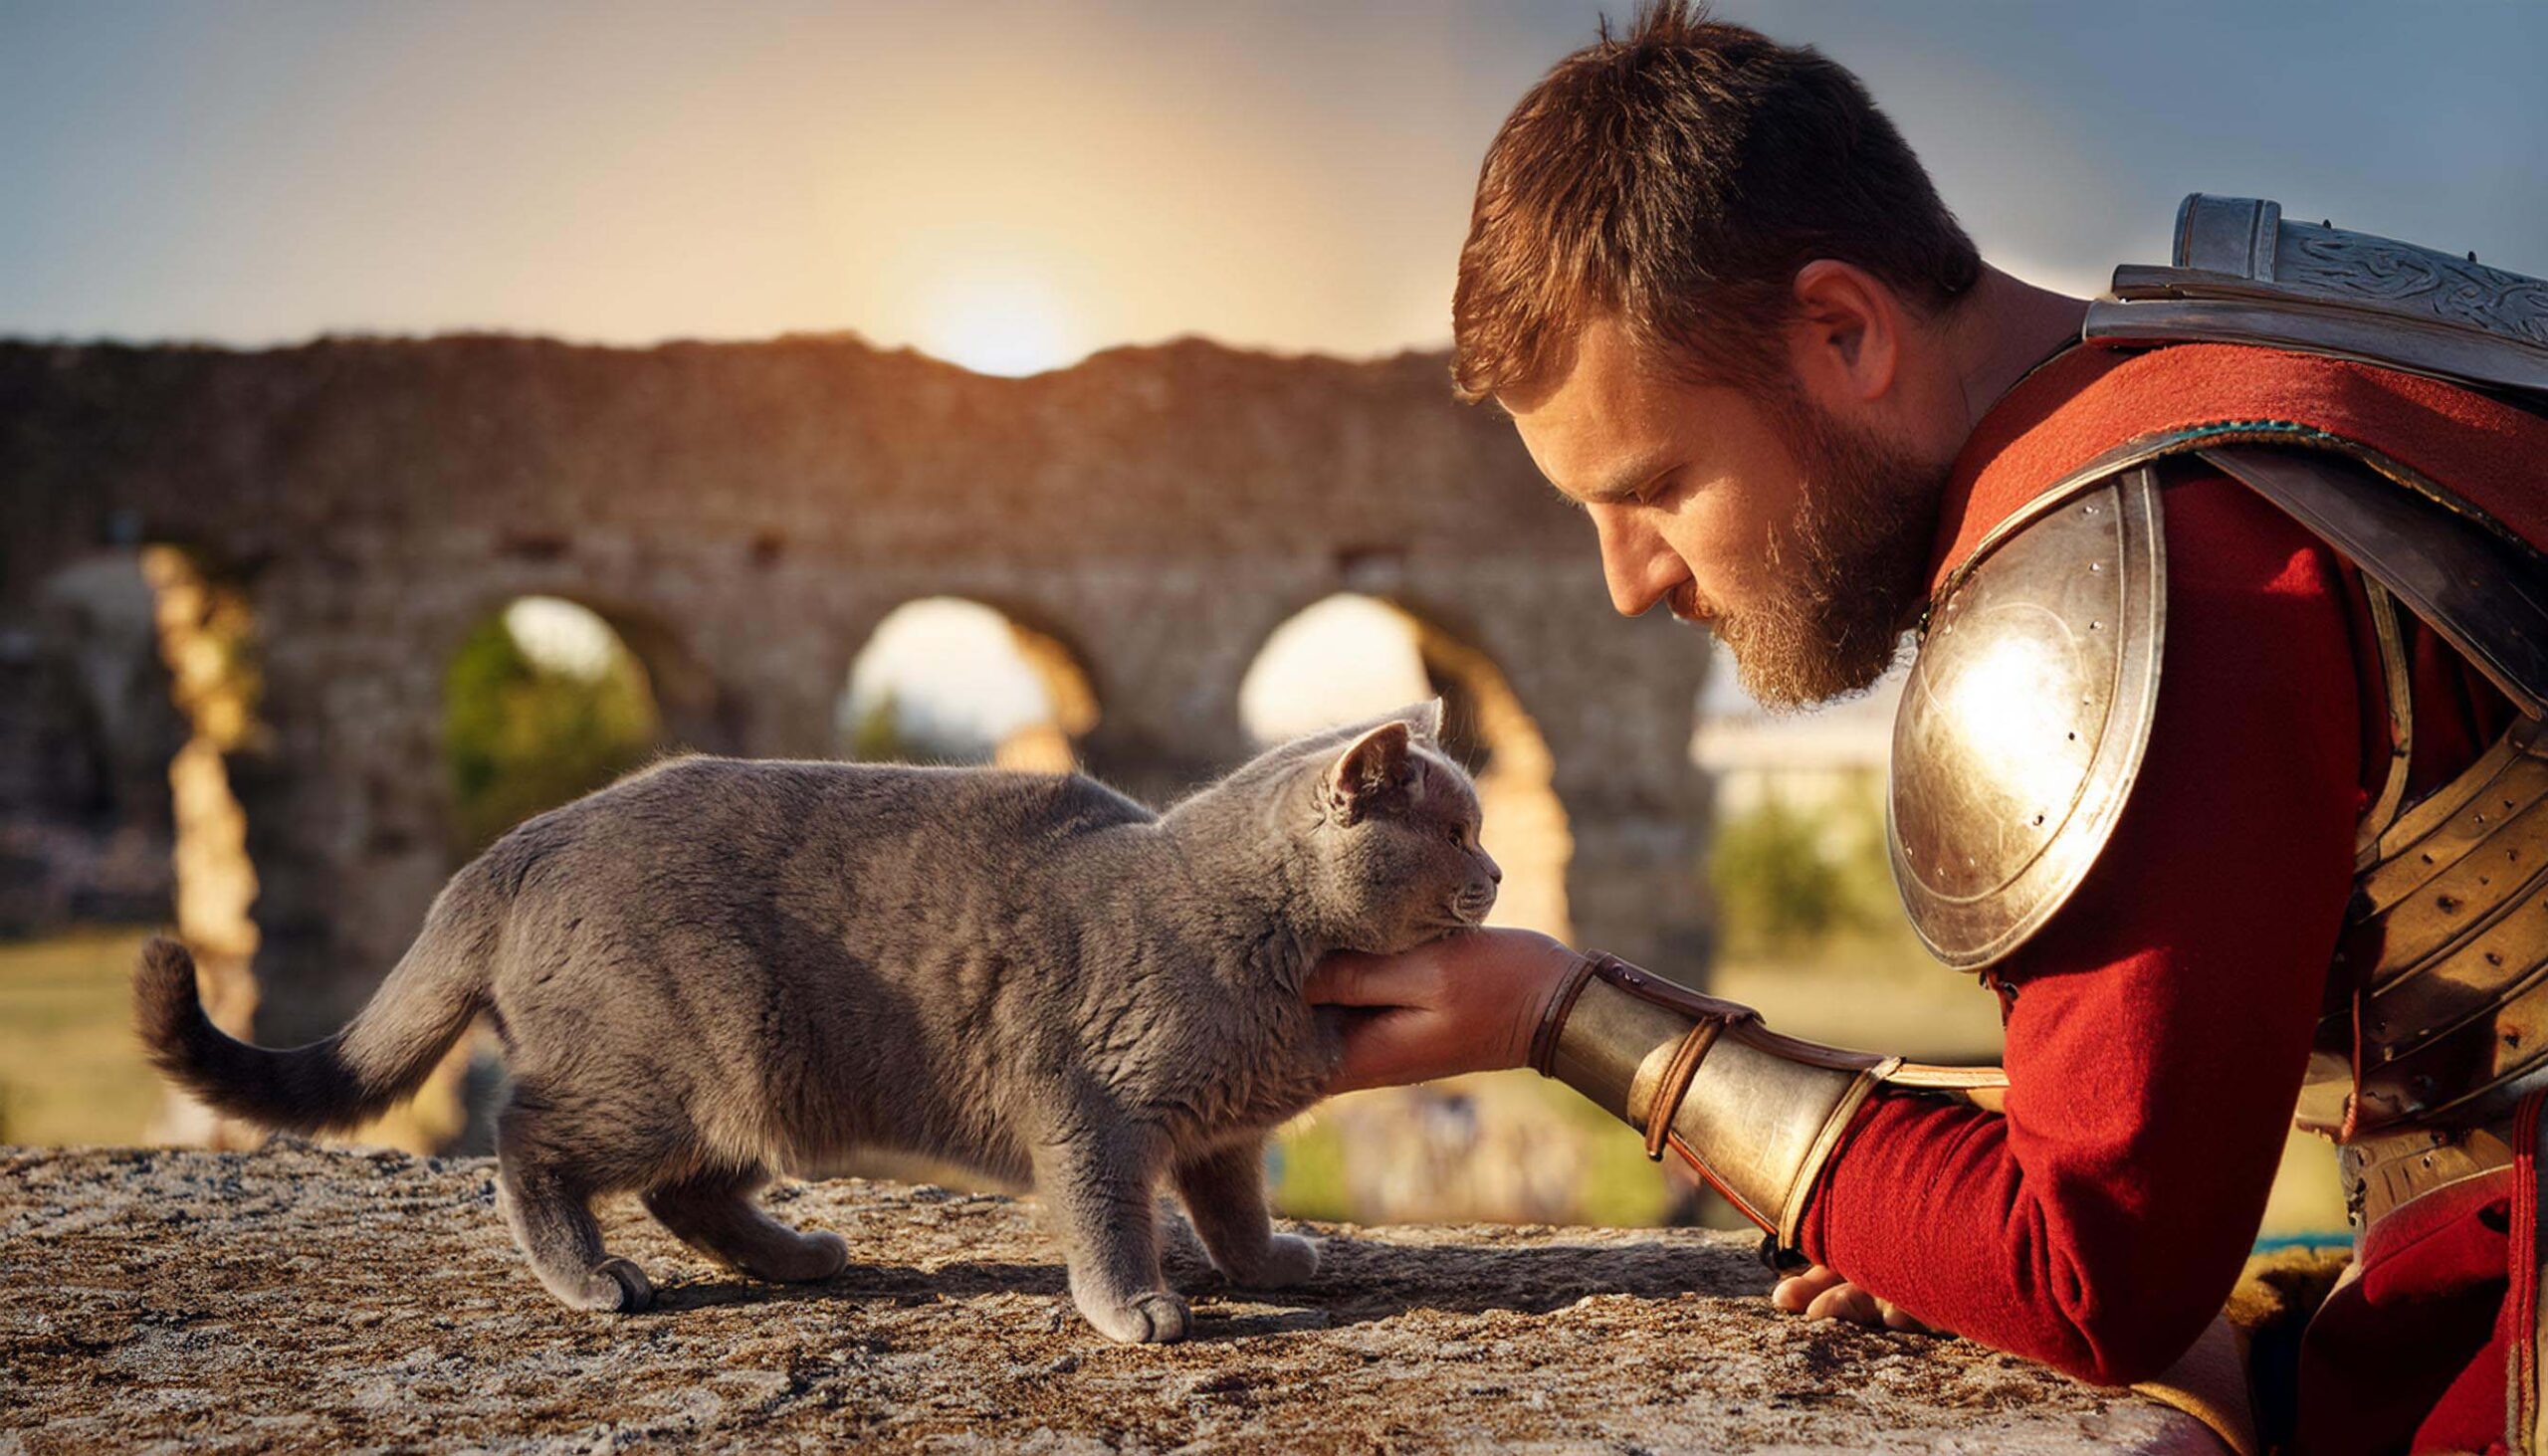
(522, 739)
(1787, 879)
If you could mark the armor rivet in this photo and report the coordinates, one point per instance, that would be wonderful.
(2073, 737)
(2512, 1038)
(2039, 819)
(2494, 958)
(2448, 903)
(2096, 626)
(2091, 511)
(2473, 255)
(2428, 859)
(2097, 565)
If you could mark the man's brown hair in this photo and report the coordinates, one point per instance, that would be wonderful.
(1676, 178)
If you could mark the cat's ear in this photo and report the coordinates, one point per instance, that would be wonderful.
(1373, 766)
(1426, 719)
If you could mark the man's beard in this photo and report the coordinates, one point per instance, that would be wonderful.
(1845, 570)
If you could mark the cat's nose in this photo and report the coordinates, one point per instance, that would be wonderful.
(1494, 871)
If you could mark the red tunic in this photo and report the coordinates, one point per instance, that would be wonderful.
(2158, 1026)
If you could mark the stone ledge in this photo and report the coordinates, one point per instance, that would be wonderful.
(308, 1299)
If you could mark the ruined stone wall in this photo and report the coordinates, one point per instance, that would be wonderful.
(745, 514)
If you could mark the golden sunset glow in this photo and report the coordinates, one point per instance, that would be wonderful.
(1012, 322)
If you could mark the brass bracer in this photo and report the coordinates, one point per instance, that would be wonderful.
(1755, 1112)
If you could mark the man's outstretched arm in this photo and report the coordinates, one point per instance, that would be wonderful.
(2161, 1024)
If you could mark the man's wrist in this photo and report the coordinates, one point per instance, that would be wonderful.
(1560, 1003)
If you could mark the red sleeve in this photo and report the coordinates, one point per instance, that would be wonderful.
(2162, 1019)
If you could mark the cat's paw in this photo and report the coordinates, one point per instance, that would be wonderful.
(805, 1259)
(1157, 1317)
(1288, 1259)
(635, 1291)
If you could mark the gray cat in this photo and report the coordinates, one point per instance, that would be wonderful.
(716, 968)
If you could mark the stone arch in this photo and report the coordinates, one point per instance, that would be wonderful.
(997, 687)
(544, 700)
(1485, 724)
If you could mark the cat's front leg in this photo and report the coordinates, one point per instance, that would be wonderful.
(1098, 1181)
(1224, 1192)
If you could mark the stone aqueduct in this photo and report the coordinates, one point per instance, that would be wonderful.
(745, 514)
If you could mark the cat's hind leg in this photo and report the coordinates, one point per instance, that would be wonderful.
(1098, 1185)
(1225, 1193)
(718, 1217)
(551, 1213)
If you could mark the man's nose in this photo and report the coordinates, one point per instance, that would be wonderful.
(1637, 563)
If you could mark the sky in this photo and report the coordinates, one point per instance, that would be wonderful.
(1013, 185)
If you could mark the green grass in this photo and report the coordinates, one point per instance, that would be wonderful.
(71, 1071)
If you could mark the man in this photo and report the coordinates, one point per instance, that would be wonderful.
(2184, 751)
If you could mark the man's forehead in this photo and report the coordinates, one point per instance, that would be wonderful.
(1599, 422)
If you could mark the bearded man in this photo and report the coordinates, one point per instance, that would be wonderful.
(2218, 760)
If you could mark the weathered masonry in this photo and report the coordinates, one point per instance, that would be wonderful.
(744, 514)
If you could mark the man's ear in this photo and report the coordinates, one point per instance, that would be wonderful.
(1845, 340)
(1372, 766)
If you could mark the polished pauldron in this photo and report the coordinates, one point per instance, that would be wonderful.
(2023, 722)
(1756, 1114)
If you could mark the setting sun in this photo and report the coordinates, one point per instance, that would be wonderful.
(1009, 323)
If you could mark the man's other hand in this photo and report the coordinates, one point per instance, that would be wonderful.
(1822, 1293)
(1468, 1002)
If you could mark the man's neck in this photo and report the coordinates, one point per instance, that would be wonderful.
(2004, 330)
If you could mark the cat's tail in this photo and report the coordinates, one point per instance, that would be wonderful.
(349, 1077)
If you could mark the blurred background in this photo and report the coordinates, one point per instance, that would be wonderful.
(1009, 189)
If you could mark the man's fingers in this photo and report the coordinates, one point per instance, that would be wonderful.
(1798, 1291)
(1819, 1293)
(1845, 1302)
(1350, 978)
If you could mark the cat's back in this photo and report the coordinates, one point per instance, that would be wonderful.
(736, 813)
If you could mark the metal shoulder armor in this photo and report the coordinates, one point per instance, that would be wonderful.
(2023, 720)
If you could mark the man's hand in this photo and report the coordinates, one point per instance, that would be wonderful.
(1822, 1293)
(1466, 1003)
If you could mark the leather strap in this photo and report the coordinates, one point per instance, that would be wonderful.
(1552, 1019)
(1676, 1083)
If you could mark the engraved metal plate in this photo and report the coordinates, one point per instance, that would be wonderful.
(2022, 723)
(2246, 274)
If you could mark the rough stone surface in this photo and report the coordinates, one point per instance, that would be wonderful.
(745, 515)
(299, 1299)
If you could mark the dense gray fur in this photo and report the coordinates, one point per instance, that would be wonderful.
(716, 970)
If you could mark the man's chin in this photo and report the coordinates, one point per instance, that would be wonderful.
(1787, 677)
